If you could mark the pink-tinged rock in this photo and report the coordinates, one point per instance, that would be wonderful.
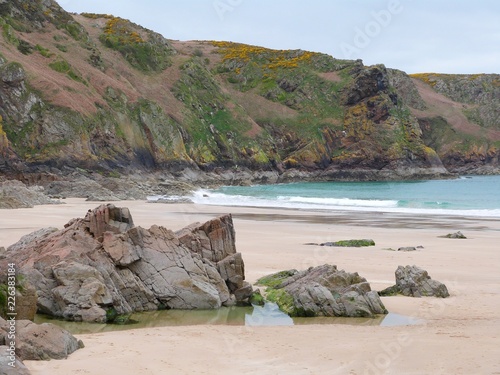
(103, 262)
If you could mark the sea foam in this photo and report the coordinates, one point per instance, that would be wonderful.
(207, 197)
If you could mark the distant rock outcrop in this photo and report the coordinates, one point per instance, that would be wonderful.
(457, 235)
(359, 124)
(413, 281)
(323, 291)
(103, 266)
(14, 194)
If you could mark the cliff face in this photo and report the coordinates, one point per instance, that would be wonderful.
(99, 92)
(459, 116)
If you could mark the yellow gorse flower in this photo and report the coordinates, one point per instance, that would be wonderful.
(271, 58)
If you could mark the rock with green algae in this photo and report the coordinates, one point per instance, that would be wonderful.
(323, 291)
(276, 279)
(350, 243)
(256, 298)
(412, 281)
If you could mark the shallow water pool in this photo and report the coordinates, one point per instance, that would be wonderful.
(267, 315)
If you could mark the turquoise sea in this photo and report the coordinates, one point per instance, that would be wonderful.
(470, 195)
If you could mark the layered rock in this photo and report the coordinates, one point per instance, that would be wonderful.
(103, 264)
(323, 291)
(413, 281)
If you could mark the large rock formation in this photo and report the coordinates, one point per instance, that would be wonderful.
(413, 281)
(323, 291)
(103, 265)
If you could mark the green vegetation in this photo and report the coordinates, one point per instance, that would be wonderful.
(428, 78)
(275, 279)
(390, 291)
(352, 243)
(290, 77)
(44, 51)
(151, 55)
(257, 299)
(75, 30)
(283, 299)
(62, 66)
(111, 314)
(29, 16)
(24, 47)
(406, 133)
(3, 300)
(198, 52)
(62, 47)
(112, 317)
(8, 33)
(293, 79)
(96, 16)
(275, 293)
(439, 135)
(4, 292)
(285, 302)
(235, 105)
(433, 78)
(269, 58)
(213, 127)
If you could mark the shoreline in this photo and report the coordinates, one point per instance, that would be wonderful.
(272, 240)
(317, 197)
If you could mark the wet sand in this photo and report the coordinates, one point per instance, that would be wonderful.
(460, 334)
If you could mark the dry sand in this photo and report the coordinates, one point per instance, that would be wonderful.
(459, 335)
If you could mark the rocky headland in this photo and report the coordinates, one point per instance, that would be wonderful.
(97, 94)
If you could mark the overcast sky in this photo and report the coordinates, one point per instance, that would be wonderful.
(446, 36)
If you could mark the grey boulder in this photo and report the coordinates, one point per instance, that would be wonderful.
(413, 281)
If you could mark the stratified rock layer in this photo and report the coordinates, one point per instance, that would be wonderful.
(104, 264)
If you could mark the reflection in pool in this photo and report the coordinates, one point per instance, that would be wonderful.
(267, 315)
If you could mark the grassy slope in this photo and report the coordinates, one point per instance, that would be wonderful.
(220, 119)
(460, 123)
(211, 102)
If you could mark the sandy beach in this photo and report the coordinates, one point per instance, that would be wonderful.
(457, 335)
